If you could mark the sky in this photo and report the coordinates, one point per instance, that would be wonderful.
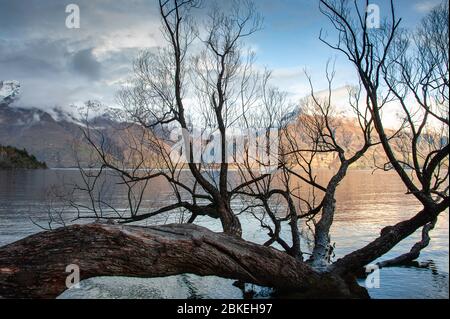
(57, 66)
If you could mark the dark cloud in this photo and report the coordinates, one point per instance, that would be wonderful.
(85, 63)
(57, 65)
(29, 15)
(32, 57)
(60, 66)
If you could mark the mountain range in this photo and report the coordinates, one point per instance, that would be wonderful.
(51, 135)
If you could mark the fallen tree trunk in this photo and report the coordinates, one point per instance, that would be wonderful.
(35, 267)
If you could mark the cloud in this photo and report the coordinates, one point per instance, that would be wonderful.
(425, 6)
(60, 66)
(85, 63)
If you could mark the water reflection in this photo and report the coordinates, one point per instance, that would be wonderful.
(366, 203)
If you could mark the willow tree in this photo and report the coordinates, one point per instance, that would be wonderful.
(388, 63)
(215, 77)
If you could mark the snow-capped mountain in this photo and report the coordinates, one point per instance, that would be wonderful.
(55, 136)
(49, 135)
(9, 91)
(38, 132)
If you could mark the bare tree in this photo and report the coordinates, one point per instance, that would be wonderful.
(386, 66)
(210, 66)
(320, 124)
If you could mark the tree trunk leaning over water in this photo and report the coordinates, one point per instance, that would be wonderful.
(35, 267)
(394, 68)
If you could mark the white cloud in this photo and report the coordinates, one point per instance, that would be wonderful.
(425, 6)
(136, 37)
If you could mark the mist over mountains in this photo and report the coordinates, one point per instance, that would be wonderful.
(50, 136)
(55, 136)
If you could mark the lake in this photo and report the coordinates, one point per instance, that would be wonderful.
(366, 202)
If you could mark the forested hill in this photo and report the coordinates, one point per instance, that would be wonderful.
(11, 158)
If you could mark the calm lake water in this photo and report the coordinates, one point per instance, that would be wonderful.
(366, 203)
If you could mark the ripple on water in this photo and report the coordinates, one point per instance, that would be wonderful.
(366, 203)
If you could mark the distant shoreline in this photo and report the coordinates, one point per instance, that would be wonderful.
(12, 158)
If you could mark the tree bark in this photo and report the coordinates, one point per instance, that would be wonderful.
(390, 236)
(320, 258)
(35, 267)
(414, 253)
(230, 222)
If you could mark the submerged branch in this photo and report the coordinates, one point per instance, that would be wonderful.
(414, 253)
